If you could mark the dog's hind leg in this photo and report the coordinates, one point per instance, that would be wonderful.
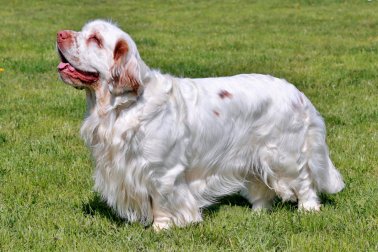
(306, 192)
(318, 174)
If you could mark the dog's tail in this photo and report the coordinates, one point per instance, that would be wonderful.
(326, 176)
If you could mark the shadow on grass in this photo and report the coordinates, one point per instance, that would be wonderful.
(237, 200)
(96, 206)
(327, 200)
(231, 200)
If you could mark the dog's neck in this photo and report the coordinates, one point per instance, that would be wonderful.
(104, 109)
(98, 100)
(101, 103)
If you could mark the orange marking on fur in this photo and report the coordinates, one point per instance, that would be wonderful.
(122, 76)
(120, 49)
(131, 82)
(225, 94)
(96, 38)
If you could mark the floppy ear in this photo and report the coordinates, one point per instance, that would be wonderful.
(125, 71)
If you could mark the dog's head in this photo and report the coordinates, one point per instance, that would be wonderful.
(99, 55)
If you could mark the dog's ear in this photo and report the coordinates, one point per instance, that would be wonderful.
(125, 71)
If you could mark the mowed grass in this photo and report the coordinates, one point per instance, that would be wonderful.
(328, 49)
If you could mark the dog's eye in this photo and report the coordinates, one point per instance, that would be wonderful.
(94, 38)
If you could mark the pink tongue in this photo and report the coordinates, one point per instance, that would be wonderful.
(62, 66)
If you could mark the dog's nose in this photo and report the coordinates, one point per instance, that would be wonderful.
(63, 35)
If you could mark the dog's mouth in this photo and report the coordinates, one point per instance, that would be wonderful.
(66, 68)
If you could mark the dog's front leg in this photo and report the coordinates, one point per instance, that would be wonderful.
(176, 206)
(162, 219)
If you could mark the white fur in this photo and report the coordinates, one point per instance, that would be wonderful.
(178, 144)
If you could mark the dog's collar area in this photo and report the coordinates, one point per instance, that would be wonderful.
(136, 93)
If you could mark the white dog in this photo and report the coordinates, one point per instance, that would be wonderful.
(165, 147)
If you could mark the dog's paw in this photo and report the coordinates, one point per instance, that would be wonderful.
(309, 206)
(262, 205)
(161, 225)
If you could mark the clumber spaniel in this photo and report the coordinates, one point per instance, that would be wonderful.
(164, 147)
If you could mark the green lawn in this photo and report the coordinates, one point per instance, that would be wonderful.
(328, 49)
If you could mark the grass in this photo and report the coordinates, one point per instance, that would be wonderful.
(329, 49)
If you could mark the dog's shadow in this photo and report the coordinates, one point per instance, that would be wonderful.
(231, 200)
(238, 200)
(96, 206)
